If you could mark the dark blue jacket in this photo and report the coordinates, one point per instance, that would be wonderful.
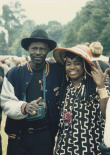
(20, 77)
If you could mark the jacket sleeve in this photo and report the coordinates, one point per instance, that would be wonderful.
(10, 103)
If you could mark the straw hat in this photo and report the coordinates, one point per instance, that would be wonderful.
(80, 50)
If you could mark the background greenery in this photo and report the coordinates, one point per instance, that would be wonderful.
(92, 23)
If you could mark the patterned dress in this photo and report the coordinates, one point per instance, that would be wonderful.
(81, 124)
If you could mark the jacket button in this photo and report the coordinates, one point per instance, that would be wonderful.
(58, 107)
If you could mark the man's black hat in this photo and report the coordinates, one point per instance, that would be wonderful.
(38, 35)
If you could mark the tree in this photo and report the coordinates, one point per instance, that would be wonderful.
(55, 30)
(12, 19)
(92, 23)
(26, 30)
(70, 36)
(87, 33)
(3, 44)
(105, 39)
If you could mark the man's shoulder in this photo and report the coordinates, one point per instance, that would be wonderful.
(55, 65)
(56, 70)
(16, 69)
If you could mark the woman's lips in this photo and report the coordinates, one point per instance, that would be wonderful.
(73, 72)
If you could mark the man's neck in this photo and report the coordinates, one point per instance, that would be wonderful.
(37, 66)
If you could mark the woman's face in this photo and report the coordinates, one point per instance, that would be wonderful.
(74, 68)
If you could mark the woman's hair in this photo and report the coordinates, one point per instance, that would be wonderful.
(90, 86)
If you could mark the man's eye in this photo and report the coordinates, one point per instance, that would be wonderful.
(42, 49)
(34, 48)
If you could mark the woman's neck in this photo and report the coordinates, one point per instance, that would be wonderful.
(76, 82)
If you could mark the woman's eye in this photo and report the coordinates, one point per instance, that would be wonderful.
(77, 63)
(68, 64)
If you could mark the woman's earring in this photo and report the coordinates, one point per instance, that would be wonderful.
(85, 75)
(84, 70)
(67, 78)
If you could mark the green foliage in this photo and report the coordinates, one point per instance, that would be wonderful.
(105, 39)
(3, 45)
(70, 37)
(87, 33)
(54, 30)
(16, 48)
(11, 19)
(92, 23)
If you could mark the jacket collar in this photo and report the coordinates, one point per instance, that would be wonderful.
(47, 68)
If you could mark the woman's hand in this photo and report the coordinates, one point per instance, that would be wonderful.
(98, 76)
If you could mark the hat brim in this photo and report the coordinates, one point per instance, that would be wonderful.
(27, 41)
(59, 55)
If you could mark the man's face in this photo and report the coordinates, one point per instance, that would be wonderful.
(38, 52)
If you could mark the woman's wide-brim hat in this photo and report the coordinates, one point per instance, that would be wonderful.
(80, 50)
(38, 35)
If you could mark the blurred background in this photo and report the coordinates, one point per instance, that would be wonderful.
(67, 22)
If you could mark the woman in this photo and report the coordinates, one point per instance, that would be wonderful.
(82, 107)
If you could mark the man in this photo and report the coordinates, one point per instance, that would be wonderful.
(30, 95)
